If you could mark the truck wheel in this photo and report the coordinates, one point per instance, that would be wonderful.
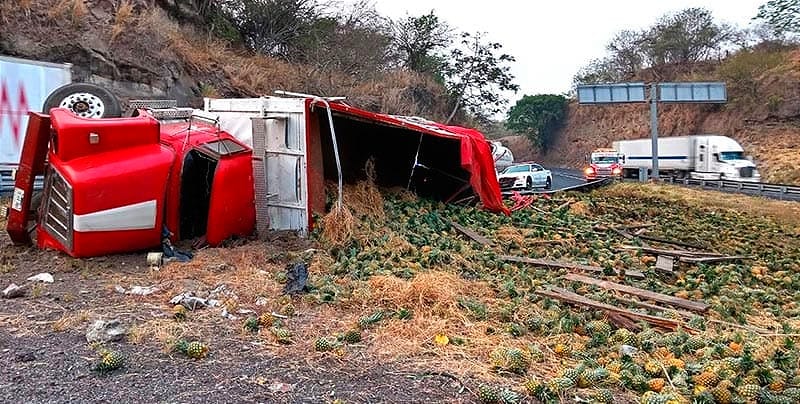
(85, 100)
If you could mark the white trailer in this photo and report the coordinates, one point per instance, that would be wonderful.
(709, 157)
(24, 87)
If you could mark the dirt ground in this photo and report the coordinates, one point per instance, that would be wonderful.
(47, 359)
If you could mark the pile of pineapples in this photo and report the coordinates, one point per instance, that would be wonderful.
(713, 366)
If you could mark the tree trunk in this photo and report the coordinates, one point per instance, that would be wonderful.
(453, 113)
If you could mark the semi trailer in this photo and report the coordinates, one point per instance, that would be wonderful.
(708, 157)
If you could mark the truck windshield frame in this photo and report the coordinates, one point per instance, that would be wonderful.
(731, 155)
(605, 159)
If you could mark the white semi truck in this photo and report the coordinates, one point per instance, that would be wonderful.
(708, 157)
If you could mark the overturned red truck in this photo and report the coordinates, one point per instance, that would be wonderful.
(241, 166)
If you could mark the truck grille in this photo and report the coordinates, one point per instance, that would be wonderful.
(603, 172)
(746, 172)
(507, 182)
(57, 208)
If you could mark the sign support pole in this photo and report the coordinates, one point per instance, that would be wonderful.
(654, 129)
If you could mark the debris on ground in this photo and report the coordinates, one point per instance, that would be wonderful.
(296, 278)
(42, 277)
(13, 291)
(137, 290)
(192, 302)
(102, 331)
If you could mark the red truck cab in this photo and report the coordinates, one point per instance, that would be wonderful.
(603, 163)
(112, 185)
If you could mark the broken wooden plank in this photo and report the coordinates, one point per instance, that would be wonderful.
(665, 263)
(574, 298)
(672, 242)
(713, 260)
(562, 264)
(674, 253)
(684, 314)
(654, 296)
(472, 234)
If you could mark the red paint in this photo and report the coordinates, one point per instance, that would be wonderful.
(31, 164)
(135, 160)
(16, 113)
(476, 155)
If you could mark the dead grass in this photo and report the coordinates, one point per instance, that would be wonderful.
(70, 321)
(123, 18)
(74, 10)
(337, 226)
(779, 211)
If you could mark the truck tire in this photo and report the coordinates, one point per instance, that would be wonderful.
(85, 100)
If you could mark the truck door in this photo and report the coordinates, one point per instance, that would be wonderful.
(702, 162)
(279, 167)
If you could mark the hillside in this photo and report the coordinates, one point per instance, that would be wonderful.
(763, 114)
(161, 49)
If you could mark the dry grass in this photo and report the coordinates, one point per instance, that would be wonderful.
(337, 226)
(70, 321)
(779, 211)
(123, 18)
(74, 10)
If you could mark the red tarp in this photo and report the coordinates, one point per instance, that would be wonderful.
(476, 155)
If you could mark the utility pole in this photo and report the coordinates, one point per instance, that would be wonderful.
(654, 129)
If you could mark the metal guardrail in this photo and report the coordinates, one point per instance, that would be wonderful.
(7, 182)
(758, 188)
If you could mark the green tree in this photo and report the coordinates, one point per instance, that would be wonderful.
(418, 40)
(688, 36)
(782, 16)
(476, 77)
(538, 117)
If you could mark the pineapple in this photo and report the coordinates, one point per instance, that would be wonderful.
(676, 363)
(352, 336)
(561, 349)
(748, 391)
(323, 344)
(603, 396)
(792, 393)
(536, 353)
(508, 396)
(722, 395)
(651, 397)
(251, 324)
(572, 374)
(594, 377)
(653, 368)
(488, 394)
(694, 343)
(614, 366)
(110, 361)
(179, 312)
(531, 385)
(706, 379)
(181, 346)
(599, 327)
(560, 384)
(196, 350)
(266, 320)
(366, 321)
(282, 335)
(656, 384)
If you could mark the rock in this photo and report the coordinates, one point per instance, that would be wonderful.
(42, 277)
(261, 301)
(627, 350)
(105, 331)
(13, 291)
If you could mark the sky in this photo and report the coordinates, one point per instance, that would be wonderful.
(552, 40)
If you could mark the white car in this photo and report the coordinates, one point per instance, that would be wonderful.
(525, 176)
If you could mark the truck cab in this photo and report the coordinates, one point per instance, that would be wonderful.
(720, 157)
(603, 163)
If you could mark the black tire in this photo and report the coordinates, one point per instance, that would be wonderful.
(529, 184)
(548, 184)
(82, 99)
